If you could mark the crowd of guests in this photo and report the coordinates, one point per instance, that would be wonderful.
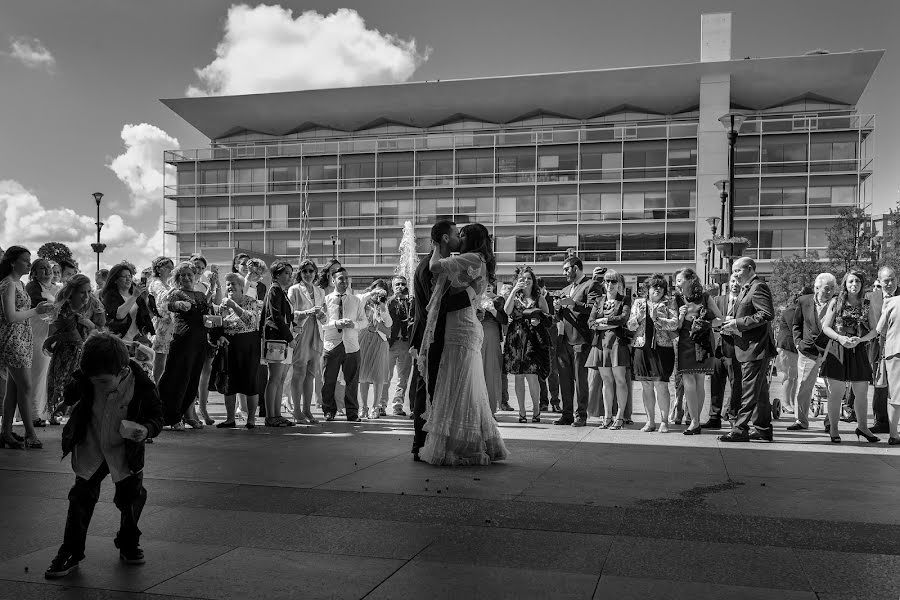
(309, 337)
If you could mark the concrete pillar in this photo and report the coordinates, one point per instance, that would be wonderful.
(712, 144)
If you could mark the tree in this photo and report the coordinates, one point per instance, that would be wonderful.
(888, 243)
(850, 243)
(55, 251)
(409, 259)
(790, 274)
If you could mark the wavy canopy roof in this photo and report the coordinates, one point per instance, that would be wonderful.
(756, 84)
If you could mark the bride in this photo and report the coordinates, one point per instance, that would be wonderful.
(461, 429)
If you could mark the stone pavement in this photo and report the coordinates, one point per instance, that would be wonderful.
(341, 511)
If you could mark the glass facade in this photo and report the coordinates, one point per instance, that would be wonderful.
(615, 192)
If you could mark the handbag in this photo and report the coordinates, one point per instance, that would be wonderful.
(272, 350)
(879, 378)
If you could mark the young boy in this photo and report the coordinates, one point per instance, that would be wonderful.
(116, 408)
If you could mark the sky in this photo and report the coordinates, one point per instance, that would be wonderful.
(82, 79)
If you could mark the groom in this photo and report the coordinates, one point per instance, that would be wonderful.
(446, 236)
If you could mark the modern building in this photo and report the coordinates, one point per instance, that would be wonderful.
(618, 164)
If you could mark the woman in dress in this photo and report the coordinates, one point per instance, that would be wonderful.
(73, 324)
(187, 350)
(163, 322)
(493, 318)
(526, 354)
(695, 344)
(848, 324)
(40, 288)
(460, 427)
(127, 312)
(16, 346)
(307, 300)
(240, 322)
(206, 280)
(889, 328)
(277, 320)
(654, 322)
(609, 353)
(374, 352)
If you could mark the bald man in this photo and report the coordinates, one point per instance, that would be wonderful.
(754, 348)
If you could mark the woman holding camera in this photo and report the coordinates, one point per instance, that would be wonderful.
(187, 351)
(526, 354)
(277, 321)
(240, 325)
(654, 321)
(374, 353)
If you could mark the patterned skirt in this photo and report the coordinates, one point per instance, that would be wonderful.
(65, 361)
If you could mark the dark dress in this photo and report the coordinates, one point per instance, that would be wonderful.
(65, 345)
(527, 347)
(695, 344)
(187, 352)
(610, 346)
(849, 364)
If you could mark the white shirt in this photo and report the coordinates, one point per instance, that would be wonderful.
(354, 309)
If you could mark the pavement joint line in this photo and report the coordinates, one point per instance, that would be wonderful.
(229, 551)
(395, 571)
(317, 486)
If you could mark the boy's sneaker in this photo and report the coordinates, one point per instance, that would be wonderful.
(61, 566)
(132, 556)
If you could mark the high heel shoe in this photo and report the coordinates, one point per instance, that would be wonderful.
(203, 414)
(33, 443)
(835, 439)
(617, 424)
(8, 441)
(893, 441)
(871, 438)
(695, 431)
(310, 420)
(606, 423)
(523, 419)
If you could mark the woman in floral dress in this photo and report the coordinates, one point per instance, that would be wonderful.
(163, 322)
(16, 346)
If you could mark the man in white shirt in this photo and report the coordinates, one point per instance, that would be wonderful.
(344, 316)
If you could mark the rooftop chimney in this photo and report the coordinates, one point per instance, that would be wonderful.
(715, 37)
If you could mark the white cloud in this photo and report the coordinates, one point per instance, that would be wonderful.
(141, 166)
(24, 221)
(265, 49)
(31, 53)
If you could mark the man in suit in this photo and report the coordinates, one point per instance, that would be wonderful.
(345, 315)
(888, 280)
(751, 329)
(445, 234)
(806, 329)
(572, 312)
(727, 370)
(399, 309)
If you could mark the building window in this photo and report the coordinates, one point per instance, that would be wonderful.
(395, 170)
(515, 165)
(281, 179)
(357, 172)
(599, 162)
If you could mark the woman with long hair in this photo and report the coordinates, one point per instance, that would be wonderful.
(307, 298)
(73, 324)
(609, 353)
(326, 274)
(16, 346)
(461, 429)
(163, 322)
(526, 353)
(849, 324)
(187, 350)
(40, 288)
(277, 320)
(240, 322)
(127, 312)
(654, 322)
(374, 352)
(696, 318)
(325, 284)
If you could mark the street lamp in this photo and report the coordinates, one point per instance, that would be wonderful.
(334, 247)
(705, 256)
(714, 226)
(98, 247)
(732, 123)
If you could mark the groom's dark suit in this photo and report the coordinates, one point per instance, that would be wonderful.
(423, 285)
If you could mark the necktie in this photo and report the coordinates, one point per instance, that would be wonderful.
(340, 309)
(731, 303)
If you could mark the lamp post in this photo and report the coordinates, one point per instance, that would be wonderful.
(714, 226)
(722, 186)
(705, 256)
(98, 247)
(732, 123)
(334, 247)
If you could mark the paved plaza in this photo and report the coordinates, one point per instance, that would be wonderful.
(340, 510)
